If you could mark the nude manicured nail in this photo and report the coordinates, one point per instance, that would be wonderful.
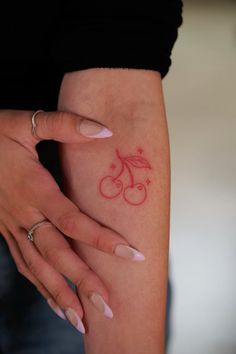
(101, 305)
(74, 319)
(129, 253)
(56, 308)
(94, 130)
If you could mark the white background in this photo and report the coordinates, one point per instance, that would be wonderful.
(200, 96)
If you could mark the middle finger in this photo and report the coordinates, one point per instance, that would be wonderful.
(57, 252)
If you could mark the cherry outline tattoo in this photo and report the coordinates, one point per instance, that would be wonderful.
(134, 193)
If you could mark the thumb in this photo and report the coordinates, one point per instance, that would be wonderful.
(66, 127)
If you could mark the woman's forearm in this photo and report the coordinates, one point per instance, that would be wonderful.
(123, 182)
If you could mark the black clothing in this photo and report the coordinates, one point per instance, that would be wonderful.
(40, 41)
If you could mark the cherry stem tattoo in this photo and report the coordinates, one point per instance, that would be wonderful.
(134, 193)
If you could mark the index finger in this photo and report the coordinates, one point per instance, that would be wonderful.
(66, 127)
(30, 127)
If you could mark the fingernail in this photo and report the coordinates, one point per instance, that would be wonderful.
(56, 308)
(94, 130)
(129, 253)
(101, 305)
(74, 319)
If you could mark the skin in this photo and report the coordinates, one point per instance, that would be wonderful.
(130, 103)
(29, 194)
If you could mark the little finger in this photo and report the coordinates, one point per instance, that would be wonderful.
(54, 282)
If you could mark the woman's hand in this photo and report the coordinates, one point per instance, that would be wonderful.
(29, 194)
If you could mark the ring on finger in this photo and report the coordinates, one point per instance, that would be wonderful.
(30, 234)
(34, 125)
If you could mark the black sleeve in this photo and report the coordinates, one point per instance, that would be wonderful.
(116, 36)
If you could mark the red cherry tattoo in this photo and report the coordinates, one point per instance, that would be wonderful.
(113, 166)
(134, 193)
(110, 187)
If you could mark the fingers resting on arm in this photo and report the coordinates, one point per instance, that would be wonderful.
(29, 194)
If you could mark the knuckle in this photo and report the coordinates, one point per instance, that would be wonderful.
(56, 254)
(33, 267)
(84, 277)
(39, 287)
(49, 123)
(48, 188)
(96, 241)
(101, 242)
(44, 121)
(60, 120)
(105, 241)
(67, 223)
(42, 290)
(58, 295)
(55, 259)
(48, 253)
(21, 269)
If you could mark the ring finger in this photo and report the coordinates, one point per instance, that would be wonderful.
(57, 252)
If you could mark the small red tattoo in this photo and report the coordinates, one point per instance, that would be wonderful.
(113, 166)
(140, 151)
(134, 193)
